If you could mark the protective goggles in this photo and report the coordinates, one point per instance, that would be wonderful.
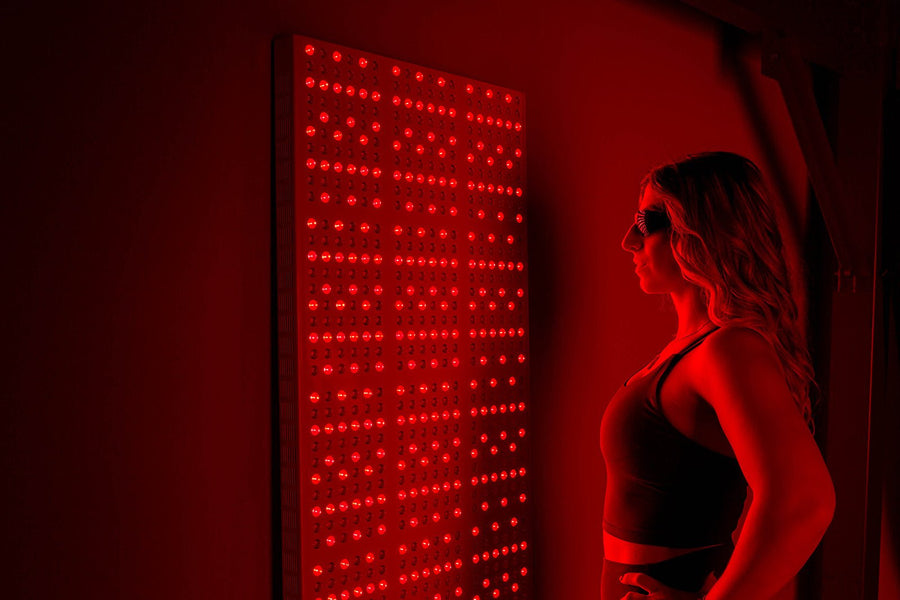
(649, 222)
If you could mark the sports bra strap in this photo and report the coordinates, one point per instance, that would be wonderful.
(672, 360)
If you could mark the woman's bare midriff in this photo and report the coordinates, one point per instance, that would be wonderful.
(630, 553)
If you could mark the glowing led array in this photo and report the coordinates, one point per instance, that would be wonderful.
(403, 342)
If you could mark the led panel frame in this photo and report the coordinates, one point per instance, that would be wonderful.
(402, 329)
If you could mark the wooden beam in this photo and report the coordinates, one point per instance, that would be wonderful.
(781, 62)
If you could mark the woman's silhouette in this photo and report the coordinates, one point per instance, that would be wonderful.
(724, 406)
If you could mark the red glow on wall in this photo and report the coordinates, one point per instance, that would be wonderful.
(403, 342)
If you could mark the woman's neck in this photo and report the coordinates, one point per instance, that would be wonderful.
(691, 310)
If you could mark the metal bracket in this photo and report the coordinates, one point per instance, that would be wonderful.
(844, 281)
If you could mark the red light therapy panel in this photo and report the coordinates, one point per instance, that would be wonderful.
(403, 330)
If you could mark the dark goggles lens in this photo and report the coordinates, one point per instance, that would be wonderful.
(650, 221)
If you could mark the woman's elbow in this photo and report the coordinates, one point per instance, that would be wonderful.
(817, 505)
(818, 495)
(808, 507)
(825, 503)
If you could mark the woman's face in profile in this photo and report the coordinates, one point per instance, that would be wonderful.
(654, 262)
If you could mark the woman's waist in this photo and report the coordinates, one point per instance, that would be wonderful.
(617, 550)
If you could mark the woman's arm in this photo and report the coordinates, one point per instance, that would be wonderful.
(793, 497)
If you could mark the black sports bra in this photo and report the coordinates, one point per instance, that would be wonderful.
(662, 487)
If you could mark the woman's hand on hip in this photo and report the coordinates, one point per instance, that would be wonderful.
(653, 588)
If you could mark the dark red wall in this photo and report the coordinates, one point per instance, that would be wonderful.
(137, 423)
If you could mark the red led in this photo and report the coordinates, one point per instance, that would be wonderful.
(336, 56)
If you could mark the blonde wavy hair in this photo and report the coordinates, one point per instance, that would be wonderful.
(725, 238)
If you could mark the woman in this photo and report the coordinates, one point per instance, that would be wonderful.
(723, 407)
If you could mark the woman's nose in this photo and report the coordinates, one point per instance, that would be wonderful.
(632, 240)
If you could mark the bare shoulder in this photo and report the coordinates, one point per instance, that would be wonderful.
(737, 362)
(736, 346)
(737, 372)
